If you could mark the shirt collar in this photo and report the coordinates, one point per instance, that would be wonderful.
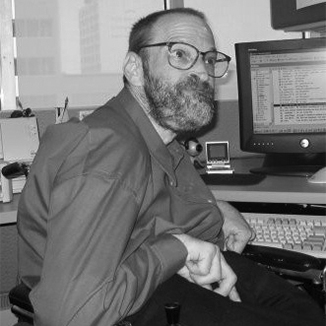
(168, 157)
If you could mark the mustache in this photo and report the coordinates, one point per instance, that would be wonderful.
(193, 83)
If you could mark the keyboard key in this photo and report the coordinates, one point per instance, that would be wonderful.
(317, 223)
(317, 247)
(307, 246)
(297, 247)
(316, 240)
(288, 246)
(319, 230)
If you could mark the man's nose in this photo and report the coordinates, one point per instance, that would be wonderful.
(200, 69)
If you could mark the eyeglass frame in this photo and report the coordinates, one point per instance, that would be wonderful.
(170, 44)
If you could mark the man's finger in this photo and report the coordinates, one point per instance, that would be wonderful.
(234, 295)
(227, 281)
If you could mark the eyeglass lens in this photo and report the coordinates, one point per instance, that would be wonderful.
(183, 56)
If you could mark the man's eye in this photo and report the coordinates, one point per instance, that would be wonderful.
(179, 54)
(210, 58)
(211, 61)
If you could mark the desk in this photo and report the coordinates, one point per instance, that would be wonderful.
(8, 211)
(272, 189)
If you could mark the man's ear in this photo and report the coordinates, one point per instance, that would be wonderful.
(133, 69)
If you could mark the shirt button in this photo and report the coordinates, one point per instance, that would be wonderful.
(171, 183)
(210, 201)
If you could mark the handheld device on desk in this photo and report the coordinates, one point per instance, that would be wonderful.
(218, 157)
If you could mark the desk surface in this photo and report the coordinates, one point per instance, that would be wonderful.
(272, 189)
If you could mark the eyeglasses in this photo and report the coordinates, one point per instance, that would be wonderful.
(183, 56)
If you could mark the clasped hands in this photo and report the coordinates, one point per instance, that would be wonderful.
(205, 263)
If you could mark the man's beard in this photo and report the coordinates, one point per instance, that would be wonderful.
(183, 107)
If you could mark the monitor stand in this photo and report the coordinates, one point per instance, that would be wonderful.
(301, 165)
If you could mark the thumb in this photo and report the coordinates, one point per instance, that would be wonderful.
(230, 242)
(234, 243)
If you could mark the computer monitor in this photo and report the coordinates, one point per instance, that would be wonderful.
(282, 103)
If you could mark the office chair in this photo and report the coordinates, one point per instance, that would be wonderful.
(307, 272)
(21, 305)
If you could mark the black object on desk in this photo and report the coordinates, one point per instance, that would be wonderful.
(15, 170)
(232, 179)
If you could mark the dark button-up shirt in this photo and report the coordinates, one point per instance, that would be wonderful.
(96, 216)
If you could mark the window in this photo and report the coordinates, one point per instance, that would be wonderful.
(71, 49)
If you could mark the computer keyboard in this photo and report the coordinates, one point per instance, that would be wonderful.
(301, 233)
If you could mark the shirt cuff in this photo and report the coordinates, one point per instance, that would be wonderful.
(172, 254)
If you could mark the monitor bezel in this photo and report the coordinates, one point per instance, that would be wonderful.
(271, 143)
(285, 15)
(225, 145)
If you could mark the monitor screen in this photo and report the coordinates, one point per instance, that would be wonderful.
(282, 98)
(217, 151)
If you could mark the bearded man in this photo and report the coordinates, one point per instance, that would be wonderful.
(114, 221)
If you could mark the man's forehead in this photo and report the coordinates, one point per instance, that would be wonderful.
(182, 27)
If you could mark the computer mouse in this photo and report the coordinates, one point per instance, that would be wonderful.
(319, 176)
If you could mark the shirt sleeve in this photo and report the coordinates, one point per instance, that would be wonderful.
(93, 272)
